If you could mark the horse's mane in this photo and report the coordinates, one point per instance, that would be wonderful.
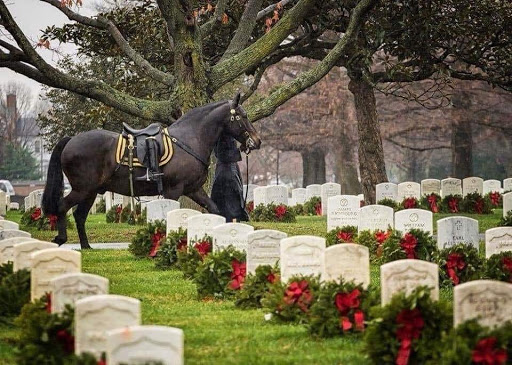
(199, 112)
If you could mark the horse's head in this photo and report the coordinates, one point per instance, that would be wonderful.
(239, 127)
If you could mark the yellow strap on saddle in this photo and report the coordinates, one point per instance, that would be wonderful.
(122, 159)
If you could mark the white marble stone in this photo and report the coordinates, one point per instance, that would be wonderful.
(27, 202)
(328, 190)
(158, 209)
(11, 233)
(37, 197)
(109, 200)
(68, 288)
(408, 189)
(97, 314)
(14, 206)
(7, 248)
(472, 185)
(349, 261)
(177, 218)
(454, 230)
(299, 195)
(260, 195)
(48, 264)
(263, 248)
(313, 190)
(302, 255)
(487, 301)
(343, 211)
(3, 203)
(408, 219)
(231, 234)
(492, 186)
(507, 184)
(386, 191)
(135, 345)
(373, 217)
(498, 240)
(249, 191)
(23, 249)
(451, 186)
(5, 224)
(199, 225)
(405, 276)
(507, 203)
(277, 194)
(430, 186)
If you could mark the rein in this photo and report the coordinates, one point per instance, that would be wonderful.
(247, 179)
(189, 150)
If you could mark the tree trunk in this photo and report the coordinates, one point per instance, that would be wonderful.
(371, 155)
(313, 166)
(462, 149)
(346, 168)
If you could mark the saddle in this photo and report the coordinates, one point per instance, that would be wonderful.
(151, 148)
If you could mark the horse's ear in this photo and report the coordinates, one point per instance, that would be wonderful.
(236, 99)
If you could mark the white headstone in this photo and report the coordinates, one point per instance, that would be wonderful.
(487, 301)
(177, 218)
(11, 233)
(109, 201)
(328, 190)
(472, 185)
(97, 314)
(498, 240)
(158, 209)
(492, 186)
(7, 248)
(249, 191)
(5, 224)
(451, 186)
(507, 203)
(430, 186)
(454, 230)
(117, 199)
(373, 217)
(144, 345)
(408, 219)
(263, 248)
(27, 203)
(313, 190)
(507, 184)
(68, 288)
(23, 250)
(386, 191)
(302, 255)
(277, 194)
(231, 234)
(349, 261)
(299, 195)
(3, 203)
(343, 211)
(14, 206)
(48, 264)
(408, 189)
(405, 276)
(37, 196)
(260, 195)
(202, 224)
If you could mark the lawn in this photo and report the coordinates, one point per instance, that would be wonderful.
(215, 331)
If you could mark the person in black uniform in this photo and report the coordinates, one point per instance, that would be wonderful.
(227, 190)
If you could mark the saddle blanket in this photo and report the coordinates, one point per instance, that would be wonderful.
(122, 155)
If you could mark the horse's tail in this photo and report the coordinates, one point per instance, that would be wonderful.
(54, 187)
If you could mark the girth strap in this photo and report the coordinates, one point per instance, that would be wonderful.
(189, 150)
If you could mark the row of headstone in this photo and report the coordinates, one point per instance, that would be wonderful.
(3, 203)
(445, 187)
(272, 194)
(33, 200)
(507, 203)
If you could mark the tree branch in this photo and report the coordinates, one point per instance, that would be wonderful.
(271, 8)
(308, 78)
(216, 19)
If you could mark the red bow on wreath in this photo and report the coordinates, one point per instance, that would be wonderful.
(182, 244)
(155, 243)
(453, 205)
(455, 262)
(66, 340)
(479, 206)
(36, 215)
(408, 244)
(346, 302)
(298, 293)
(237, 274)
(432, 202)
(318, 208)
(507, 265)
(410, 323)
(52, 218)
(495, 198)
(280, 211)
(48, 305)
(203, 248)
(409, 203)
(485, 352)
(381, 236)
(271, 278)
(344, 236)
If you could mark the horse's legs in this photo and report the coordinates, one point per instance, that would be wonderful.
(80, 214)
(201, 198)
(65, 204)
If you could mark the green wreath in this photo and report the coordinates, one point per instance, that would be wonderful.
(375, 241)
(451, 204)
(273, 213)
(147, 239)
(221, 274)
(506, 221)
(499, 267)
(494, 199)
(256, 286)
(291, 301)
(14, 290)
(190, 258)
(388, 203)
(345, 234)
(313, 206)
(415, 320)
(415, 244)
(35, 218)
(432, 202)
(458, 264)
(476, 203)
(339, 309)
(167, 254)
(408, 203)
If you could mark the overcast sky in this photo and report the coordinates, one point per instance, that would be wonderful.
(33, 16)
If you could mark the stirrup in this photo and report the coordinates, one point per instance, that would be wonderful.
(150, 176)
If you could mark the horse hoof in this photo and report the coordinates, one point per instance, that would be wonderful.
(85, 247)
(59, 241)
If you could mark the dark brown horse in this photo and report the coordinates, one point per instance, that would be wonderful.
(88, 160)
